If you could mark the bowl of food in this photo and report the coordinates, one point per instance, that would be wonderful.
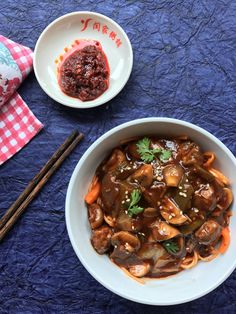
(149, 211)
(83, 59)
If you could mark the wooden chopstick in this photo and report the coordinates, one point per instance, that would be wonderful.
(37, 178)
(31, 192)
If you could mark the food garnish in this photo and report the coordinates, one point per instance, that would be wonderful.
(148, 155)
(133, 208)
(171, 247)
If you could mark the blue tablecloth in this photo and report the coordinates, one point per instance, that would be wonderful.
(184, 67)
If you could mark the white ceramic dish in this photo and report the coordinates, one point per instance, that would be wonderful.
(183, 287)
(62, 33)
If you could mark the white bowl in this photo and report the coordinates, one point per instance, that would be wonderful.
(62, 33)
(188, 284)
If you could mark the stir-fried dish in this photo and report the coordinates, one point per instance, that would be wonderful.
(157, 206)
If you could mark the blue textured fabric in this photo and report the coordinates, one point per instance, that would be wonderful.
(184, 67)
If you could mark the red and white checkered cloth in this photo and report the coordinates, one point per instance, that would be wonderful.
(18, 125)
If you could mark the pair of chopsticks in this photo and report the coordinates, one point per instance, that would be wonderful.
(35, 185)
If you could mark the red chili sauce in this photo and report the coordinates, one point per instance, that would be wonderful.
(84, 71)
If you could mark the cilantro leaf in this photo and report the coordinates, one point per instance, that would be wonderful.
(165, 155)
(171, 247)
(147, 154)
(133, 208)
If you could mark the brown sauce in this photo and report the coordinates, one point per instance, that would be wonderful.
(160, 205)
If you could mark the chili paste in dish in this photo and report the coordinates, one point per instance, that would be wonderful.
(84, 71)
(158, 206)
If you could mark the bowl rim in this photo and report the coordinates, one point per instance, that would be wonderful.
(89, 104)
(218, 282)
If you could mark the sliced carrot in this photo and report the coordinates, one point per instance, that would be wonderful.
(93, 194)
(225, 240)
(219, 175)
(210, 157)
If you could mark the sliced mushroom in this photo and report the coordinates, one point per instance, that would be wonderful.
(110, 221)
(110, 193)
(226, 199)
(117, 157)
(191, 154)
(154, 194)
(143, 176)
(101, 239)
(166, 265)
(127, 240)
(205, 198)
(133, 150)
(208, 232)
(126, 223)
(171, 213)
(162, 231)
(125, 169)
(125, 245)
(150, 212)
(151, 251)
(184, 194)
(95, 216)
(173, 174)
(140, 270)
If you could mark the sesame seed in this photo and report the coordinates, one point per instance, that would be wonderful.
(126, 211)
(158, 203)
(132, 227)
(186, 180)
(128, 168)
(196, 210)
(180, 187)
(115, 246)
(122, 170)
(181, 213)
(170, 217)
(182, 194)
(128, 200)
(123, 202)
(173, 215)
(126, 192)
(116, 189)
(161, 207)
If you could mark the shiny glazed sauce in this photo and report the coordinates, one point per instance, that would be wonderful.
(158, 206)
(83, 71)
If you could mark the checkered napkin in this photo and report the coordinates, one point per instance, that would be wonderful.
(18, 125)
